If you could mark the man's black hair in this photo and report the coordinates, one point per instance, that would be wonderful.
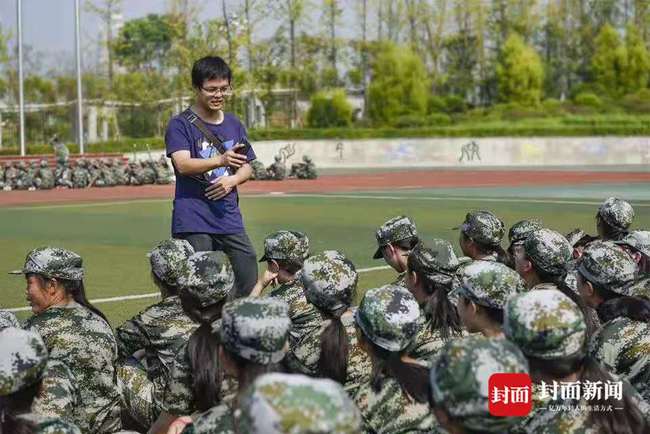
(210, 68)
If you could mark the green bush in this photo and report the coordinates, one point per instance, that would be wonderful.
(329, 109)
(409, 121)
(436, 104)
(438, 119)
(588, 99)
(455, 104)
(638, 102)
(552, 107)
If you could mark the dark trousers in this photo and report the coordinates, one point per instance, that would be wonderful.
(240, 251)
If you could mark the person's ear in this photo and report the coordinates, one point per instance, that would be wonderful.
(51, 286)
(273, 265)
(589, 289)
(637, 257)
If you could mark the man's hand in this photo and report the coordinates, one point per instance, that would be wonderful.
(232, 159)
(269, 277)
(221, 187)
(179, 425)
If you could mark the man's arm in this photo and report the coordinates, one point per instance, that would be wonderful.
(188, 166)
(225, 184)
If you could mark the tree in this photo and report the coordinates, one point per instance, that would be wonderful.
(399, 86)
(144, 43)
(329, 109)
(637, 69)
(520, 73)
(105, 11)
(609, 61)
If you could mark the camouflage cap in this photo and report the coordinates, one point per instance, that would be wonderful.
(574, 236)
(396, 229)
(53, 262)
(22, 359)
(460, 377)
(388, 317)
(483, 227)
(638, 240)
(434, 258)
(256, 329)
(8, 319)
(549, 251)
(207, 276)
(520, 230)
(168, 259)
(545, 324)
(44, 163)
(297, 404)
(617, 213)
(489, 283)
(330, 280)
(286, 245)
(607, 265)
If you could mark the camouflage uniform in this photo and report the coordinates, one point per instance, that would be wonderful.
(61, 151)
(617, 213)
(11, 173)
(520, 230)
(622, 345)
(119, 172)
(438, 262)
(8, 319)
(161, 329)
(548, 325)
(277, 171)
(459, 380)
(108, 173)
(79, 338)
(45, 177)
(135, 174)
(148, 174)
(163, 174)
(80, 175)
(292, 245)
(259, 171)
(639, 243)
(330, 282)
(255, 329)
(63, 175)
(2, 175)
(304, 170)
(208, 278)
(23, 180)
(23, 361)
(388, 317)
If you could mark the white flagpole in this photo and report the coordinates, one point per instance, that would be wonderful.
(80, 118)
(21, 93)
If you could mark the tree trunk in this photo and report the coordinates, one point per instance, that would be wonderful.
(226, 21)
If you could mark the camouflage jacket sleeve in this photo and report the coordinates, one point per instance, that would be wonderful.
(217, 420)
(58, 396)
(130, 338)
(178, 397)
(50, 425)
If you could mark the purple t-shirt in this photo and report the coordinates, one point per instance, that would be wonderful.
(193, 212)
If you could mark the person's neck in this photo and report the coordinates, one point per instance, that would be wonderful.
(64, 300)
(532, 280)
(210, 116)
(492, 331)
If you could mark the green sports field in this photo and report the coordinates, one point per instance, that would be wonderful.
(113, 238)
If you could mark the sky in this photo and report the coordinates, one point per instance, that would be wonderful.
(48, 27)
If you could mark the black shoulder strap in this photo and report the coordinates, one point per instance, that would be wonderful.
(216, 141)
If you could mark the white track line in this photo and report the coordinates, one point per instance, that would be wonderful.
(157, 294)
(342, 196)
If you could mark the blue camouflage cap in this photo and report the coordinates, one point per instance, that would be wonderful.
(297, 404)
(22, 359)
(286, 245)
(388, 317)
(208, 277)
(617, 213)
(168, 259)
(607, 265)
(53, 262)
(256, 329)
(483, 227)
(396, 229)
(330, 280)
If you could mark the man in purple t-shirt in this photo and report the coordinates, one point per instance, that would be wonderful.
(206, 204)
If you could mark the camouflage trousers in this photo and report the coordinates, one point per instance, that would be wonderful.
(139, 394)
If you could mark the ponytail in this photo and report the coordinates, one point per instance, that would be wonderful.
(412, 377)
(626, 418)
(78, 291)
(334, 348)
(443, 314)
(203, 352)
(634, 308)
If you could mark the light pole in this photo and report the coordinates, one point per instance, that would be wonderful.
(80, 117)
(21, 93)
